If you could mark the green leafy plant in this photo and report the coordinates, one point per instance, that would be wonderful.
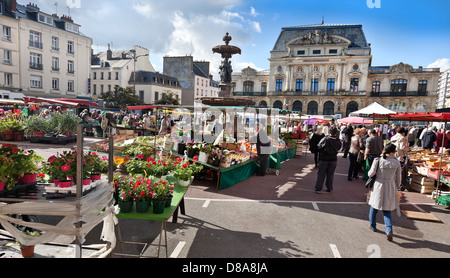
(185, 170)
(161, 189)
(36, 124)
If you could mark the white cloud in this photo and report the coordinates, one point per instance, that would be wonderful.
(143, 9)
(253, 12)
(442, 63)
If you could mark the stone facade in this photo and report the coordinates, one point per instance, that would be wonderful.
(326, 70)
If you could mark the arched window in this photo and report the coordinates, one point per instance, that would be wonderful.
(297, 106)
(313, 108)
(352, 106)
(328, 108)
(278, 104)
(262, 103)
(400, 107)
(248, 86)
(420, 107)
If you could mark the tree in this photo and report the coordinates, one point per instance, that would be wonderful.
(168, 99)
(121, 97)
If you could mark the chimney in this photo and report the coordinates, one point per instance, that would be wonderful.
(12, 5)
(109, 53)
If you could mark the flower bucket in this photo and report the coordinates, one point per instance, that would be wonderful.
(168, 201)
(158, 206)
(65, 184)
(125, 207)
(8, 136)
(203, 157)
(2, 185)
(215, 162)
(142, 207)
(56, 182)
(19, 136)
(96, 177)
(37, 134)
(29, 178)
(87, 182)
(27, 251)
(181, 148)
(184, 183)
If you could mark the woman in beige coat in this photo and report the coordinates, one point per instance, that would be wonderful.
(384, 193)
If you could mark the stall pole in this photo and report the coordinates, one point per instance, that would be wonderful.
(79, 183)
(111, 158)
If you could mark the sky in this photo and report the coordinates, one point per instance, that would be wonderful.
(415, 32)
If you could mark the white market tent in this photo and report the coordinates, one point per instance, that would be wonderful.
(371, 110)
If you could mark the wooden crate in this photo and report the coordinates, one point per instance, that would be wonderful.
(422, 189)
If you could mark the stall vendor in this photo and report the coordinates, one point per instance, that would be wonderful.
(263, 150)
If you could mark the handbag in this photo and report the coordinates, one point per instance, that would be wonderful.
(370, 182)
(360, 157)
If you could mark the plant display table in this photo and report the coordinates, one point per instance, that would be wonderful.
(172, 211)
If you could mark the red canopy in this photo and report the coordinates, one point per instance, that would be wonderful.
(60, 101)
(355, 120)
(422, 117)
(141, 107)
(79, 101)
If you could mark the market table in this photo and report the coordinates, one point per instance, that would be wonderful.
(172, 211)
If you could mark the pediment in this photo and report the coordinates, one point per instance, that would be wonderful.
(319, 37)
(401, 68)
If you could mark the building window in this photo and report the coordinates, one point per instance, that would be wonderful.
(95, 89)
(55, 64)
(399, 85)
(299, 85)
(55, 84)
(332, 51)
(301, 52)
(279, 85)
(70, 86)
(314, 84)
(70, 47)
(330, 84)
(376, 85)
(35, 40)
(141, 95)
(8, 79)
(70, 67)
(354, 84)
(36, 82)
(45, 19)
(55, 43)
(102, 89)
(157, 95)
(6, 33)
(35, 61)
(109, 75)
(263, 87)
(248, 86)
(117, 76)
(7, 57)
(328, 108)
(102, 75)
(423, 86)
(95, 76)
(316, 52)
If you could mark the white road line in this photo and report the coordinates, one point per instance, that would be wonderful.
(177, 250)
(316, 207)
(419, 208)
(206, 204)
(335, 251)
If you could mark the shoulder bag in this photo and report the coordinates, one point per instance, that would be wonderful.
(371, 180)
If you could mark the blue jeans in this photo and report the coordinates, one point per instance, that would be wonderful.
(387, 219)
(326, 170)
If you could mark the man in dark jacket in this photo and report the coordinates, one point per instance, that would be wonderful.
(428, 139)
(348, 133)
(328, 151)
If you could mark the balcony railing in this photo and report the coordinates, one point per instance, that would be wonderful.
(36, 66)
(318, 93)
(250, 94)
(400, 94)
(35, 44)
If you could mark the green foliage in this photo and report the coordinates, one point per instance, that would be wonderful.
(121, 97)
(36, 123)
(168, 99)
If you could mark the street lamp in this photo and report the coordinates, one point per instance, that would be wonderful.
(133, 52)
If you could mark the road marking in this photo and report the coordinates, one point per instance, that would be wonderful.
(419, 208)
(335, 251)
(206, 204)
(177, 250)
(316, 207)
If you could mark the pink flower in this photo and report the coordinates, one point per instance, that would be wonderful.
(65, 168)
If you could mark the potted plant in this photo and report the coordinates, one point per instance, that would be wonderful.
(29, 162)
(28, 251)
(204, 153)
(185, 171)
(36, 126)
(216, 156)
(161, 189)
(10, 166)
(12, 127)
(67, 123)
(192, 148)
(126, 194)
(142, 194)
(95, 165)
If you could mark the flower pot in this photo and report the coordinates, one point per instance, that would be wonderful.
(202, 157)
(27, 251)
(96, 177)
(56, 182)
(181, 148)
(37, 134)
(19, 136)
(169, 201)
(158, 206)
(142, 206)
(215, 162)
(2, 185)
(191, 152)
(87, 182)
(125, 207)
(65, 184)
(184, 183)
(8, 136)
(29, 178)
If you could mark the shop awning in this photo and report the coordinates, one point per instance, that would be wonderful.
(79, 101)
(422, 117)
(141, 107)
(50, 101)
(11, 102)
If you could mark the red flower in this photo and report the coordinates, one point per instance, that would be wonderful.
(154, 162)
(184, 166)
(164, 164)
(140, 156)
(65, 167)
(195, 159)
(149, 159)
(41, 175)
(179, 159)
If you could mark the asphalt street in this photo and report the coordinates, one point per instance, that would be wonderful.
(277, 217)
